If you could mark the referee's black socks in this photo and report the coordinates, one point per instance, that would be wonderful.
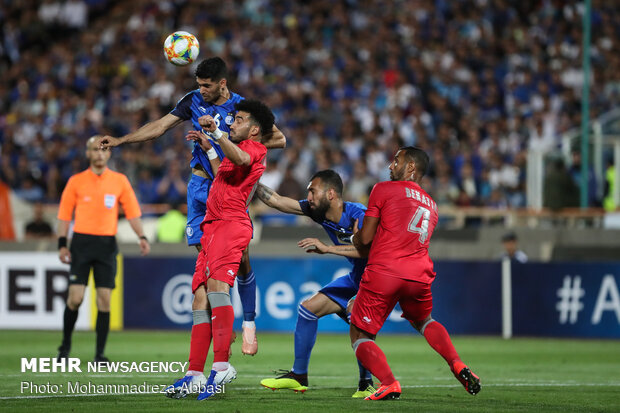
(69, 319)
(102, 329)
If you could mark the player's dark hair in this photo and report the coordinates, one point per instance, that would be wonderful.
(330, 179)
(213, 68)
(418, 156)
(260, 114)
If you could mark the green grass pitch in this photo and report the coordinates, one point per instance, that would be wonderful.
(522, 375)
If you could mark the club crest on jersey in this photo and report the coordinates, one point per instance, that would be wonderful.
(189, 231)
(229, 119)
(109, 201)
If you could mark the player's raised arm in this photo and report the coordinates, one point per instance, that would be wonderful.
(147, 132)
(274, 200)
(235, 154)
(274, 139)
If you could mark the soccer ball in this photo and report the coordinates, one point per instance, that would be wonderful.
(181, 48)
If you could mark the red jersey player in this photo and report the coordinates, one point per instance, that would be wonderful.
(397, 227)
(227, 231)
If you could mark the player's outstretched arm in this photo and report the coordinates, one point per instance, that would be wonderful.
(147, 132)
(313, 245)
(275, 139)
(281, 203)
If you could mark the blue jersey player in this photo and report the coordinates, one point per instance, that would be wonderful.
(211, 102)
(326, 207)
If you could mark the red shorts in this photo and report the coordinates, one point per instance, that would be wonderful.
(223, 243)
(378, 294)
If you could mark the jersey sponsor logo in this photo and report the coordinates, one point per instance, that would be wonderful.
(231, 273)
(202, 109)
(176, 299)
(366, 319)
(109, 201)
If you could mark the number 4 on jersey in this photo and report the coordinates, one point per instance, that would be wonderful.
(419, 223)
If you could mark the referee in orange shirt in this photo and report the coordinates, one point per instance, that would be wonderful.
(94, 195)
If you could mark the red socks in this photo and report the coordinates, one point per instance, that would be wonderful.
(199, 346)
(437, 336)
(222, 320)
(373, 358)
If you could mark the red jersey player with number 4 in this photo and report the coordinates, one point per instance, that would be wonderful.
(397, 228)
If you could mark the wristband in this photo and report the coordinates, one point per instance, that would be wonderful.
(144, 238)
(216, 134)
(211, 154)
(62, 242)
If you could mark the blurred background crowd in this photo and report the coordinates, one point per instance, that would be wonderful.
(476, 83)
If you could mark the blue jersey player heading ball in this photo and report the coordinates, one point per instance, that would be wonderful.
(214, 101)
(325, 206)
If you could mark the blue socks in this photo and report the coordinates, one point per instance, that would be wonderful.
(305, 337)
(364, 373)
(247, 292)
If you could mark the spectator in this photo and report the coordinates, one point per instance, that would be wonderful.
(445, 76)
(559, 190)
(172, 188)
(38, 228)
(171, 225)
(511, 248)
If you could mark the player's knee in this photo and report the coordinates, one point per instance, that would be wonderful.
(350, 305)
(310, 305)
(200, 300)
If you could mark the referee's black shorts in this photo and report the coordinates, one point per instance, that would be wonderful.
(96, 251)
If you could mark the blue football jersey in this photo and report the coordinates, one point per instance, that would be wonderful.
(191, 107)
(340, 232)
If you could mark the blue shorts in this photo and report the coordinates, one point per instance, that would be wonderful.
(341, 290)
(197, 192)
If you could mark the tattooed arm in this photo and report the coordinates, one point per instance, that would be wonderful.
(313, 245)
(281, 203)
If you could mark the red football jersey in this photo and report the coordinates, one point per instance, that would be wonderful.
(234, 185)
(407, 217)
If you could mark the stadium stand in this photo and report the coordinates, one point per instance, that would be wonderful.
(475, 83)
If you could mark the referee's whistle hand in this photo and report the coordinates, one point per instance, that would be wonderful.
(64, 255)
(145, 247)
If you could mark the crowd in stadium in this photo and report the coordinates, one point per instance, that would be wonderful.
(474, 83)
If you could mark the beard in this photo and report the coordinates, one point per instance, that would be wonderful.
(318, 213)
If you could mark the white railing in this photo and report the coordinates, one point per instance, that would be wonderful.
(602, 136)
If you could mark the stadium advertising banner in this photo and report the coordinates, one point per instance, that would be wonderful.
(567, 299)
(158, 294)
(33, 290)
